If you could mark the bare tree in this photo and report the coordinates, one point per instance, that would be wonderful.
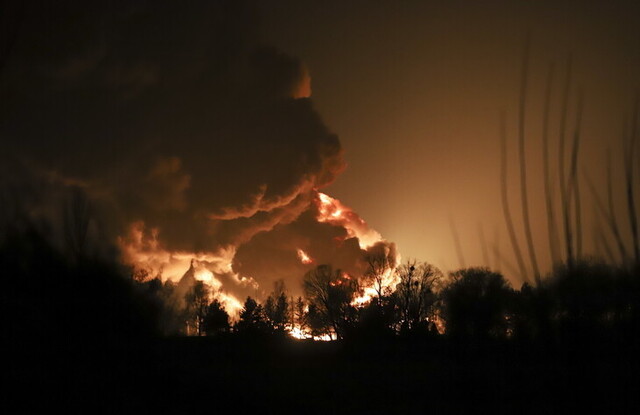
(330, 293)
(416, 293)
(379, 265)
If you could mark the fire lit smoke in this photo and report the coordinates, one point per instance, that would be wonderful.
(145, 253)
(201, 158)
(329, 231)
(334, 212)
(304, 257)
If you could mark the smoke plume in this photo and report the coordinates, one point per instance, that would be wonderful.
(196, 147)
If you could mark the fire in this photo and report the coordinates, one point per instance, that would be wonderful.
(389, 280)
(323, 338)
(299, 334)
(142, 250)
(304, 257)
(232, 305)
(206, 276)
(332, 211)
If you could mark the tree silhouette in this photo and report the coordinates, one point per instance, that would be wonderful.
(252, 319)
(377, 318)
(197, 300)
(379, 264)
(476, 304)
(588, 297)
(318, 323)
(216, 319)
(276, 307)
(46, 294)
(330, 293)
(299, 314)
(416, 293)
(172, 321)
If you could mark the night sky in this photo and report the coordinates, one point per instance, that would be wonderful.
(205, 131)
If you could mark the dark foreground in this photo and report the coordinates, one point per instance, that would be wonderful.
(235, 375)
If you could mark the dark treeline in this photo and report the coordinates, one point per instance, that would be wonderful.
(81, 332)
(590, 299)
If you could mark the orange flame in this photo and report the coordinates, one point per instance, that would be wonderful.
(389, 280)
(304, 257)
(142, 250)
(299, 334)
(332, 211)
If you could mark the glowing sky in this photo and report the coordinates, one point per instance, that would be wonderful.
(414, 89)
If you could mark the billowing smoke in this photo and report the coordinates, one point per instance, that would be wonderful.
(195, 147)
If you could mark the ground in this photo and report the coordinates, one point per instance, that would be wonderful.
(234, 375)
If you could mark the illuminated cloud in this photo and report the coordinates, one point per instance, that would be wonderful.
(197, 146)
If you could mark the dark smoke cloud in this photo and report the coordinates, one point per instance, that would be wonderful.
(270, 256)
(174, 112)
(174, 115)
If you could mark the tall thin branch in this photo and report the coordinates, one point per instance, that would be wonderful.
(552, 230)
(609, 219)
(500, 259)
(523, 164)
(456, 241)
(578, 213)
(611, 213)
(628, 164)
(601, 241)
(505, 200)
(572, 191)
(483, 246)
(496, 253)
(561, 168)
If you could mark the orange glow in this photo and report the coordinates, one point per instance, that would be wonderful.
(231, 304)
(299, 334)
(332, 211)
(389, 280)
(141, 249)
(303, 87)
(323, 338)
(304, 257)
